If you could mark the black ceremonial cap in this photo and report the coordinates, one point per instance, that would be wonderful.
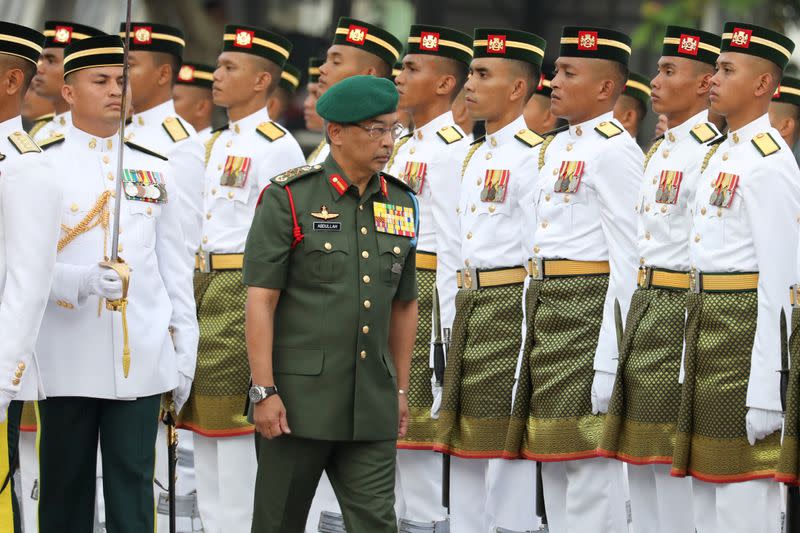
(20, 41)
(59, 33)
(440, 41)
(509, 44)
(257, 41)
(595, 43)
(196, 74)
(152, 37)
(691, 44)
(100, 51)
(757, 41)
(368, 37)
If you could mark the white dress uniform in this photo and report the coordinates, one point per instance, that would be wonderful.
(595, 223)
(757, 233)
(440, 145)
(321, 154)
(204, 135)
(663, 242)
(489, 493)
(161, 129)
(225, 467)
(57, 126)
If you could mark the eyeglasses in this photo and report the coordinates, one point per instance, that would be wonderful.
(376, 131)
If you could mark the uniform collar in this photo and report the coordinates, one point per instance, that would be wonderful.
(506, 133)
(428, 130)
(10, 126)
(748, 131)
(579, 131)
(63, 119)
(155, 115)
(250, 122)
(339, 184)
(89, 142)
(681, 131)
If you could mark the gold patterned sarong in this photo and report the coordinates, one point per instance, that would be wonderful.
(640, 424)
(552, 418)
(476, 403)
(421, 427)
(216, 404)
(788, 470)
(711, 443)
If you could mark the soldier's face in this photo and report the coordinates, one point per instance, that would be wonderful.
(488, 88)
(418, 81)
(313, 121)
(143, 74)
(362, 149)
(95, 94)
(676, 85)
(189, 103)
(733, 86)
(341, 62)
(571, 79)
(234, 78)
(49, 73)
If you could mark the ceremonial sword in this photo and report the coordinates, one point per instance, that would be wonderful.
(438, 373)
(792, 518)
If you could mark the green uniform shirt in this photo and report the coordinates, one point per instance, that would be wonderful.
(331, 357)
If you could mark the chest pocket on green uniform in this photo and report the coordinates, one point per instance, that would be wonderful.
(327, 256)
(393, 251)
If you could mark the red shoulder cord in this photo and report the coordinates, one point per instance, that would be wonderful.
(297, 231)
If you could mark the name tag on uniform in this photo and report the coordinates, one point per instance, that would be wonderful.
(144, 186)
(394, 219)
(669, 186)
(235, 171)
(495, 186)
(414, 175)
(724, 190)
(569, 176)
(327, 226)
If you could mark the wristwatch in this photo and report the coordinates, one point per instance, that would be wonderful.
(258, 393)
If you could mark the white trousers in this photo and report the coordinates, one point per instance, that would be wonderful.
(184, 482)
(225, 474)
(324, 500)
(489, 493)
(29, 474)
(751, 506)
(585, 495)
(418, 486)
(660, 503)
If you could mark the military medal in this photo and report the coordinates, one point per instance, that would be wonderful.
(668, 187)
(414, 175)
(569, 176)
(724, 190)
(495, 186)
(234, 173)
(394, 219)
(144, 186)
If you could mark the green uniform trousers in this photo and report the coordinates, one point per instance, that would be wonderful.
(361, 473)
(9, 441)
(69, 429)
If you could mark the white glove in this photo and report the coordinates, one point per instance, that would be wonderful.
(602, 386)
(100, 281)
(761, 422)
(182, 391)
(437, 398)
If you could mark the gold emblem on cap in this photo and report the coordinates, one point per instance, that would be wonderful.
(496, 44)
(588, 40)
(689, 44)
(324, 214)
(62, 35)
(142, 35)
(740, 38)
(430, 41)
(243, 38)
(186, 73)
(357, 35)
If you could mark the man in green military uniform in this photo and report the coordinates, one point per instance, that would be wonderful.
(332, 397)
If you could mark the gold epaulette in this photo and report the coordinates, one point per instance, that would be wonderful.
(703, 132)
(529, 138)
(450, 134)
(652, 151)
(608, 129)
(51, 141)
(23, 143)
(270, 131)
(765, 144)
(175, 129)
(400, 142)
(475, 145)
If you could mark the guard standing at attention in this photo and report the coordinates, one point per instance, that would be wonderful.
(333, 245)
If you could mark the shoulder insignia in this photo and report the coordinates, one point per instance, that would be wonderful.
(175, 129)
(474, 145)
(765, 144)
(450, 134)
(547, 140)
(23, 143)
(704, 132)
(270, 131)
(608, 129)
(653, 149)
(147, 151)
(51, 141)
(529, 138)
(396, 181)
(293, 173)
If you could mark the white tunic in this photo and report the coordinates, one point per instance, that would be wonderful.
(58, 126)
(757, 233)
(229, 210)
(596, 222)
(80, 346)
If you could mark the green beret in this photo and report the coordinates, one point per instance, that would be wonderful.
(368, 37)
(290, 78)
(440, 41)
(691, 44)
(638, 86)
(595, 43)
(357, 98)
(509, 44)
(757, 41)
(788, 92)
(313, 69)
